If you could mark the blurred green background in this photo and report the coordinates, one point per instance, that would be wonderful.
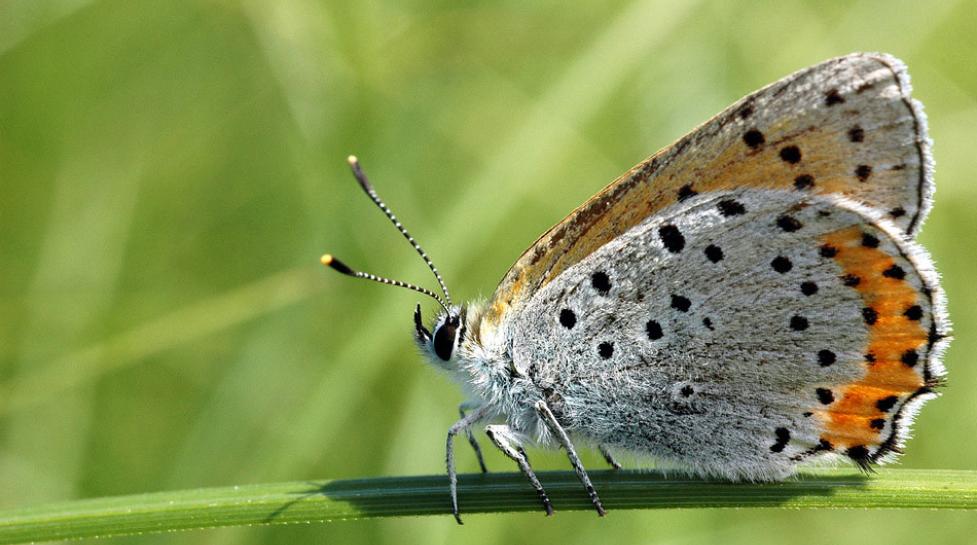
(170, 172)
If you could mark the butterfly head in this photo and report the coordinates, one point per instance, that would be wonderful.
(442, 343)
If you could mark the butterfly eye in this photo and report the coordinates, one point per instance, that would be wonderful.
(444, 338)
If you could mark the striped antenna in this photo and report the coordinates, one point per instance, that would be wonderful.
(368, 188)
(338, 266)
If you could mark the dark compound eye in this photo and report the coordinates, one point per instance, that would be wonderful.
(444, 338)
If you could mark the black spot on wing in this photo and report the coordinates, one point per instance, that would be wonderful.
(686, 192)
(791, 154)
(870, 315)
(753, 138)
(680, 303)
(826, 358)
(714, 253)
(825, 396)
(788, 223)
(567, 318)
(601, 282)
(783, 437)
(672, 238)
(833, 97)
(886, 403)
(654, 330)
(781, 264)
(730, 207)
(914, 313)
(798, 323)
(895, 271)
(804, 181)
(910, 358)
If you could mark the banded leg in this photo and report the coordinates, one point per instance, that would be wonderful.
(471, 438)
(503, 438)
(608, 457)
(462, 424)
(561, 436)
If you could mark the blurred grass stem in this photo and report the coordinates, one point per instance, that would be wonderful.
(306, 502)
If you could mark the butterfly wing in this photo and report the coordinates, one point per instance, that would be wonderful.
(847, 127)
(740, 332)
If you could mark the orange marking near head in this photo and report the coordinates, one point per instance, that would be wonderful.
(849, 420)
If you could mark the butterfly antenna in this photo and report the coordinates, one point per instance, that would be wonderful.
(338, 266)
(368, 188)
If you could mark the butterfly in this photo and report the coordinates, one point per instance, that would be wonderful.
(746, 300)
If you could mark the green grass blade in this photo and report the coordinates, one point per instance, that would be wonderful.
(293, 502)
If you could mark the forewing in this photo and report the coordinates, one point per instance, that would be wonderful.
(740, 332)
(845, 127)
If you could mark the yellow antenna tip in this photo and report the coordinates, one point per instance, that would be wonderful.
(329, 261)
(352, 160)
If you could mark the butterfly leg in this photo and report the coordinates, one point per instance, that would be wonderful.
(609, 457)
(463, 424)
(471, 438)
(561, 436)
(503, 438)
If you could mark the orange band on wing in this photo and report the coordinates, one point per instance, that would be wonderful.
(893, 361)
